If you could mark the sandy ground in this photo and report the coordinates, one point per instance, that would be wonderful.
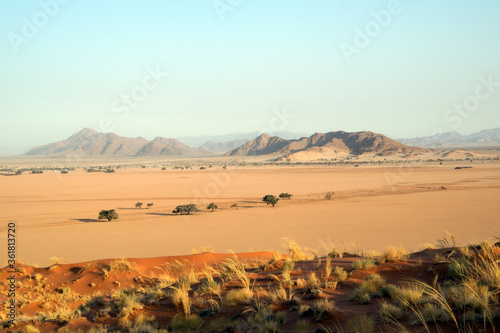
(373, 207)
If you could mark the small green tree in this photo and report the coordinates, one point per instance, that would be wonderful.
(212, 206)
(138, 205)
(270, 199)
(108, 215)
(150, 205)
(185, 209)
(286, 196)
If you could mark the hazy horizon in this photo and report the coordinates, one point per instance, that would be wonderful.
(400, 68)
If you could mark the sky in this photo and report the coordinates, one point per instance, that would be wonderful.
(208, 67)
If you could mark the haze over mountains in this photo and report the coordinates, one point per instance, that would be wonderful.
(488, 137)
(88, 142)
(197, 141)
(324, 145)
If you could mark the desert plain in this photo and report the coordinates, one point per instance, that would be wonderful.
(341, 255)
(372, 207)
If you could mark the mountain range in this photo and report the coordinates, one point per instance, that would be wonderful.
(88, 142)
(324, 145)
(488, 137)
(198, 141)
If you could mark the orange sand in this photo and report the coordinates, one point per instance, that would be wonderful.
(373, 208)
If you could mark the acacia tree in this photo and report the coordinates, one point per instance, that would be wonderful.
(108, 215)
(138, 205)
(212, 206)
(150, 205)
(270, 199)
(185, 209)
(286, 196)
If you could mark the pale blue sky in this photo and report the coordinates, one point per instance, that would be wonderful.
(231, 75)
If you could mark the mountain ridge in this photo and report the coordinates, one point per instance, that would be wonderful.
(322, 145)
(449, 139)
(89, 142)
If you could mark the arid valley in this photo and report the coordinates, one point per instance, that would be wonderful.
(372, 208)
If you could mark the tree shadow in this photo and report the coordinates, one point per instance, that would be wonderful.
(162, 214)
(88, 220)
(128, 208)
(254, 202)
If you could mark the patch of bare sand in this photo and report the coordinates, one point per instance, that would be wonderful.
(56, 214)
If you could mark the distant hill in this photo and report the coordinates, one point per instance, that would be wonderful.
(221, 147)
(198, 141)
(489, 137)
(168, 147)
(324, 145)
(88, 142)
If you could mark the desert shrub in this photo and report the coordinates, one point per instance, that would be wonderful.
(329, 195)
(411, 295)
(458, 269)
(180, 297)
(270, 199)
(294, 250)
(203, 249)
(108, 215)
(469, 294)
(312, 283)
(287, 269)
(60, 316)
(128, 302)
(30, 329)
(390, 291)
(339, 273)
(322, 308)
(234, 269)
(390, 312)
(208, 287)
(360, 324)
(186, 209)
(212, 206)
(370, 286)
(237, 296)
(304, 309)
(287, 196)
(122, 265)
(393, 254)
(363, 265)
(328, 267)
(434, 313)
(234, 206)
(189, 323)
(56, 261)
